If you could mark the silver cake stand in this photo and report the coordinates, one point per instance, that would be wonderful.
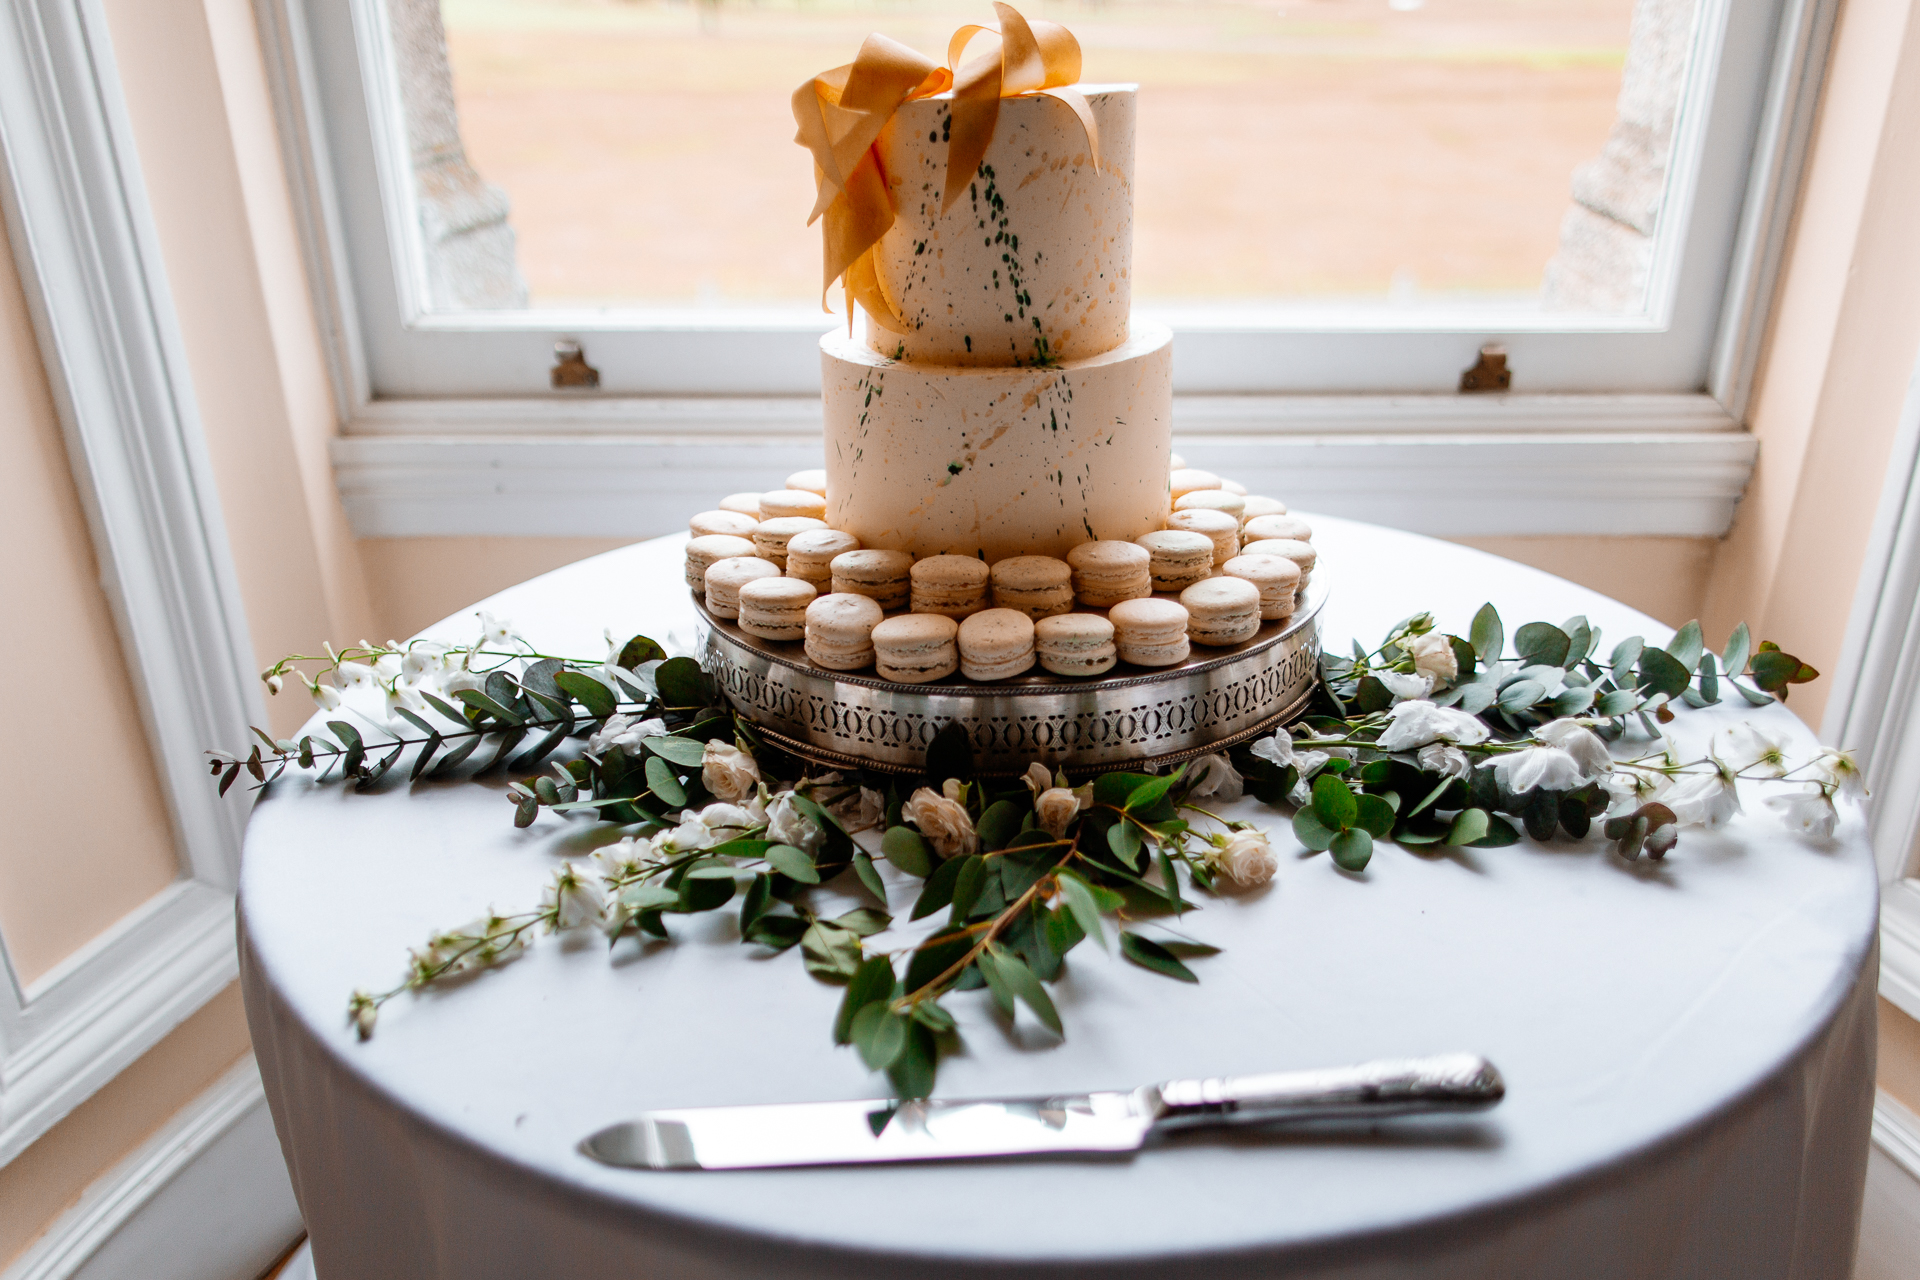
(1130, 717)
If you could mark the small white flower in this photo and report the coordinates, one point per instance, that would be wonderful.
(575, 897)
(1631, 788)
(623, 730)
(787, 825)
(1839, 770)
(1535, 767)
(618, 860)
(1244, 859)
(1215, 779)
(1308, 763)
(728, 772)
(1418, 722)
(387, 666)
(274, 684)
(463, 679)
(1808, 810)
(1278, 749)
(1703, 799)
(325, 696)
(1749, 749)
(691, 834)
(729, 819)
(1056, 807)
(495, 633)
(1405, 687)
(1433, 656)
(355, 675)
(943, 821)
(1588, 749)
(1446, 760)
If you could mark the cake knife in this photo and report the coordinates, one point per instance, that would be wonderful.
(826, 1133)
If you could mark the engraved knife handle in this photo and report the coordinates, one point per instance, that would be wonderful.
(1455, 1082)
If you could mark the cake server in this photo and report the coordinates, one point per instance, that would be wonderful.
(816, 1133)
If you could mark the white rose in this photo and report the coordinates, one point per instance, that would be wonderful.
(729, 819)
(691, 834)
(1416, 723)
(943, 822)
(728, 772)
(1215, 779)
(1054, 808)
(1245, 860)
(624, 730)
(1404, 687)
(1535, 767)
(787, 825)
(1448, 761)
(1433, 656)
(1588, 749)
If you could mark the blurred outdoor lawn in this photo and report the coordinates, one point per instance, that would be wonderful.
(1312, 148)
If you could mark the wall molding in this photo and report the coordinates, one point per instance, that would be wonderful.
(206, 1198)
(89, 262)
(1671, 465)
(1896, 1131)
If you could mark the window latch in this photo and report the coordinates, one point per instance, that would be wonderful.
(570, 367)
(1489, 372)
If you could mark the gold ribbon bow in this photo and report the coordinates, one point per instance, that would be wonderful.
(841, 113)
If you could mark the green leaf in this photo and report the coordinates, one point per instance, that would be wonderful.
(999, 824)
(638, 650)
(930, 1015)
(1114, 788)
(1374, 814)
(1660, 672)
(681, 683)
(831, 952)
(880, 1035)
(872, 981)
(1078, 897)
(1580, 638)
(754, 904)
(681, 751)
(425, 758)
(1617, 702)
(1015, 974)
(588, 692)
(649, 897)
(938, 891)
(908, 850)
(663, 784)
(1625, 654)
(967, 885)
(1124, 839)
(1755, 697)
(481, 702)
(1149, 954)
(996, 982)
(1333, 803)
(792, 863)
(1739, 647)
(1572, 700)
(1709, 679)
(1542, 643)
(706, 888)
(1468, 825)
(1478, 696)
(869, 875)
(1352, 850)
(912, 1075)
(935, 956)
(1487, 636)
(1148, 794)
(1500, 833)
(778, 932)
(1686, 646)
(863, 921)
(1311, 832)
(1520, 694)
(348, 735)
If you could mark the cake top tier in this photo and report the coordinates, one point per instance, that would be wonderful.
(908, 166)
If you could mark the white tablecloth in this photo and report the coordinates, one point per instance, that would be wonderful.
(1688, 1045)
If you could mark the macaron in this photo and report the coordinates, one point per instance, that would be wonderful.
(1177, 558)
(1176, 463)
(1301, 553)
(1038, 586)
(745, 503)
(770, 537)
(914, 648)
(1233, 504)
(1261, 527)
(996, 644)
(953, 585)
(1107, 572)
(1277, 578)
(726, 577)
(1074, 644)
(840, 631)
(737, 523)
(810, 555)
(884, 575)
(703, 551)
(792, 502)
(1150, 632)
(810, 481)
(1222, 611)
(1220, 528)
(1234, 486)
(1258, 506)
(775, 608)
(1185, 480)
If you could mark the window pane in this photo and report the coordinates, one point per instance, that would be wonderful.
(1342, 150)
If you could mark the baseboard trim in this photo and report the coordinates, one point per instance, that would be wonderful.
(1896, 1131)
(205, 1198)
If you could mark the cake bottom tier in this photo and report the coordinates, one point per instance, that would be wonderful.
(945, 460)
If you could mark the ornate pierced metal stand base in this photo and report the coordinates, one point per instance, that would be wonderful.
(1130, 717)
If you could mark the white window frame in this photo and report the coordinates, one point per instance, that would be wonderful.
(84, 241)
(443, 412)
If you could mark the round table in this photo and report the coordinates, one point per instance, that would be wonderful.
(1688, 1045)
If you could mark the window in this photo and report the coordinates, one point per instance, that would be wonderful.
(1355, 254)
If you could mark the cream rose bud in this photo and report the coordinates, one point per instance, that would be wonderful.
(1246, 860)
(1038, 778)
(1433, 656)
(787, 825)
(729, 773)
(1054, 808)
(943, 822)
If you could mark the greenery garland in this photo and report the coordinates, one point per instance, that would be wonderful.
(1428, 740)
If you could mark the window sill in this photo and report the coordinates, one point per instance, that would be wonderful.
(1452, 466)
